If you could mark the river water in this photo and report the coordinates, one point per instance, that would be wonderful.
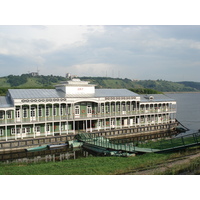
(188, 109)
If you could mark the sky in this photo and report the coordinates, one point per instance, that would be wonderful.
(132, 39)
(167, 52)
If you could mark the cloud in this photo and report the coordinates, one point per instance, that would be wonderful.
(137, 52)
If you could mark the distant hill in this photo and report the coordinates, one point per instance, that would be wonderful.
(195, 85)
(158, 85)
(141, 86)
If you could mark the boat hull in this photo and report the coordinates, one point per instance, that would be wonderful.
(39, 148)
(56, 146)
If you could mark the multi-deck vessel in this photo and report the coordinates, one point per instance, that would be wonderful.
(76, 106)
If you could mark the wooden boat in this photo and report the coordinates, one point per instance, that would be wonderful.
(55, 146)
(38, 148)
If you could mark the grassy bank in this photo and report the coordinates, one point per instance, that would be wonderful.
(89, 165)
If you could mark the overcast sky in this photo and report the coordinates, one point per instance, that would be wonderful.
(136, 52)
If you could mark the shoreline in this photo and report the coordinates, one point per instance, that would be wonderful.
(179, 92)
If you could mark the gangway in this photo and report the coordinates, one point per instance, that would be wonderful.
(160, 146)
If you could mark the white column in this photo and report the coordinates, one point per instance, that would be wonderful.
(34, 131)
(6, 132)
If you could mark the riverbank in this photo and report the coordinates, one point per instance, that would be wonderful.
(141, 164)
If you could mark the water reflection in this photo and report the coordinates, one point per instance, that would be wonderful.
(54, 155)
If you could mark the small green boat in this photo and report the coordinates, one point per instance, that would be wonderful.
(38, 148)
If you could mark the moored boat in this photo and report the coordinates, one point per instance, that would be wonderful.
(38, 148)
(55, 146)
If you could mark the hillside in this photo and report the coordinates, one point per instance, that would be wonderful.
(141, 86)
(159, 85)
(195, 85)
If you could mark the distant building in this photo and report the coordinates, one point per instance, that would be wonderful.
(73, 76)
(34, 73)
(68, 75)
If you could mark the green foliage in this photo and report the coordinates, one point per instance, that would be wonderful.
(17, 80)
(195, 85)
(141, 86)
(165, 86)
(49, 80)
(84, 166)
(144, 91)
(3, 91)
(99, 165)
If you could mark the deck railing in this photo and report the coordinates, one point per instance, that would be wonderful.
(85, 116)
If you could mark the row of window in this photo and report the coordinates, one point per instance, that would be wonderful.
(40, 112)
(9, 114)
(25, 130)
(63, 111)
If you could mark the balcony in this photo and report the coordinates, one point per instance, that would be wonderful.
(86, 116)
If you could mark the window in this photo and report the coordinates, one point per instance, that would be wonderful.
(47, 111)
(32, 112)
(107, 108)
(28, 129)
(77, 110)
(37, 129)
(62, 110)
(18, 130)
(25, 115)
(102, 108)
(54, 111)
(89, 109)
(12, 131)
(9, 114)
(48, 127)
(40, 111)
(1, 132)
(17, 113)
(23, 130)
(1, 114)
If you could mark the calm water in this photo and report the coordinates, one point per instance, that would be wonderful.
(188, 109)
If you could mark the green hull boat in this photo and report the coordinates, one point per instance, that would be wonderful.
(38, 148)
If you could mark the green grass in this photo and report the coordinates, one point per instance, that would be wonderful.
(3, 82)
(169, 143)
(85, 166)
(191, 168)
(31, 82)
(102, 165)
